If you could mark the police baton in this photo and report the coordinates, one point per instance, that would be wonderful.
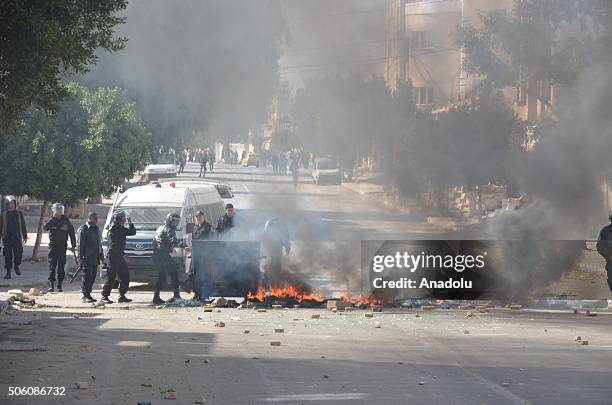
(78, 268)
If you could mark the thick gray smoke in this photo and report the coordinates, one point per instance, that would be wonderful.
(565, 177)
(333, 36)
(204, 67)
(565, 173)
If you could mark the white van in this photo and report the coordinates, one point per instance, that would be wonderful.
(148, 207)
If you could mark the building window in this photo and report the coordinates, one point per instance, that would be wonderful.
(421, 39)
(424, 95)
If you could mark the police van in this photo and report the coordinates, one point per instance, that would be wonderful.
(148, 207)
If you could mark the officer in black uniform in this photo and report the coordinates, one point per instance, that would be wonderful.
(90, 254)
(117, 265)
(226, 222)
(604, 247)
(202, 229)
(164, 243)
(12, 233)
(60, 229)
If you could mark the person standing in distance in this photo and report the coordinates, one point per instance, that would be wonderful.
(117, 263)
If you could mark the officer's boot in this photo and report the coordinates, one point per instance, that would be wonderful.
(175, 297)
(156, 299)
(105, 300)
(91, 299)
(87, 298)
(123, 298)
(51, 286)
(59, 286)
(17, 271)
(8, 274)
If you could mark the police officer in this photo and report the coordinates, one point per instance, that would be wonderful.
(90, 253)
(202, 228)
(12, 233)
(274, 238)
(164, 243)
(60, 229)
(226, 222)
(117, 265)
(604, 247)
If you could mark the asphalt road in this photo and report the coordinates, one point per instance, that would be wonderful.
(135, 353)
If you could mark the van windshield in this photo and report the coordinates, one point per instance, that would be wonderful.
(149, 218)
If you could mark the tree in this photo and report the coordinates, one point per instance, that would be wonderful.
(95, 141)
(42, 41)
(537, 40)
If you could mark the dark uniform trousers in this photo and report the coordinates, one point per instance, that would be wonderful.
(57, 261)
(89, 276)
(13, 251)
(165, 266)
(117, 267)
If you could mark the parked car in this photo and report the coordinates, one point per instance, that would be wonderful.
(164, 167)
(254, 159)
(326, 170)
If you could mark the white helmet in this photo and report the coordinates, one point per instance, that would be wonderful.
(58, 208)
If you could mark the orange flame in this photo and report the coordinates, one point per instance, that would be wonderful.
(361, 299)
(291, 291)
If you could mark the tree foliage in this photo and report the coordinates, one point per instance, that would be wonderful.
(42, 41)
(536, 40)
(89, 147)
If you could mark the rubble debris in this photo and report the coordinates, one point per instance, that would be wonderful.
(279, 330)
(334, 310)
(17, 293)
(200, 401)
(170, 394)
(34, 292)
(261, 310)
(515, 306)
(368, 315)
(325, 376)
(219, 302)
(577, 338)
(589, 313)
(296, 306)
(275, 343)
(82, 385)
(377, 326)
(246, 331)
(505, 384)
(220, 324)
(417, 316)
(428, 307)
(466, 332)
(583, 342)
(277, 306)
(377, 308)
(421, 382)
(469, 314)
(315, 316)
(207, 308)
(75, 316)
(146, 385)
(338, 305)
